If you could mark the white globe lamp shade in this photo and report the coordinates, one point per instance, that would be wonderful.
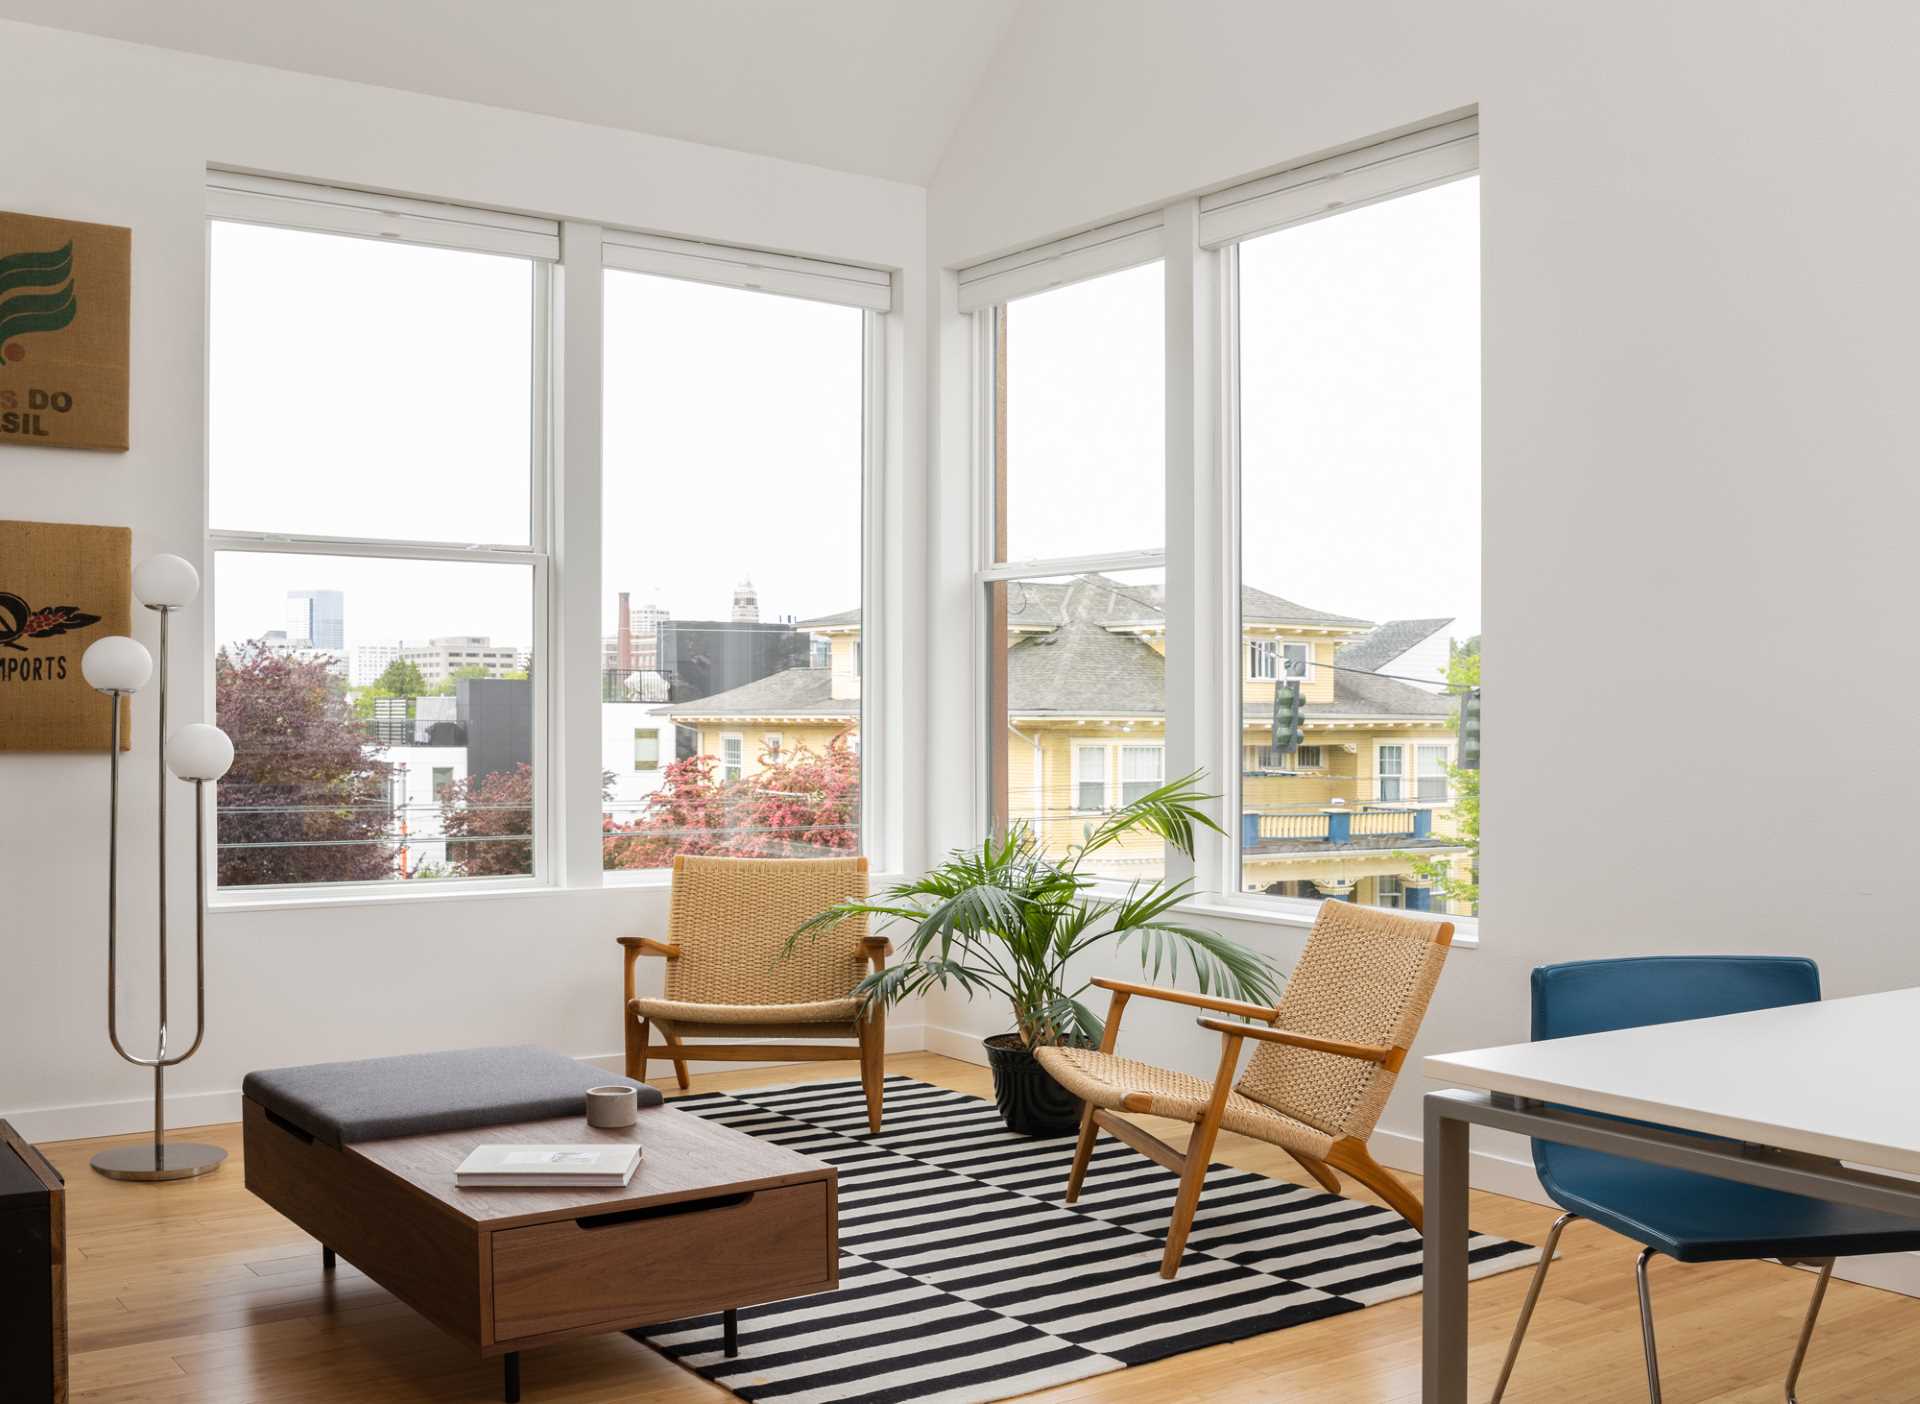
(165, 582)
(199, 752)
(116, 664)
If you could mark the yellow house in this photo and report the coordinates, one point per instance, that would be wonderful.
(1341, 815)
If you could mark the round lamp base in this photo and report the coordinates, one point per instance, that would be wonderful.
(172, 1160)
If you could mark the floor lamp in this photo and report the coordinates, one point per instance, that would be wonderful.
(119, 667)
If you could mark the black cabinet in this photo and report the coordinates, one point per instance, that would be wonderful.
(33, 1274)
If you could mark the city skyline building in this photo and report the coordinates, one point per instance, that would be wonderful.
(317, 618)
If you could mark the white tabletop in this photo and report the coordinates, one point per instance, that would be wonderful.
(1840, 1078)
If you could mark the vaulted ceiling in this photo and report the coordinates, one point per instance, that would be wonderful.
(873, 86)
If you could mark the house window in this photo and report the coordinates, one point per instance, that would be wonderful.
(405, 517)
(646, 749)
(1263, 659)
(1075, 462)
(1140, 771)
(1089, 777)
(1353, 395)
(1262, 758)
(722, 394)
(1392, 764)
(1389, 892)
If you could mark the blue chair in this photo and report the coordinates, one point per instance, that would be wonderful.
(1689, 1217)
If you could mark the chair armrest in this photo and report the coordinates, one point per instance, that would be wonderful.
(874, 951)
(877, 943)
(1200, 1001)
(1390, 1058)
(646, 945)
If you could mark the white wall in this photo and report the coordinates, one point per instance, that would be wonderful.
(1700, 298)
(123, 134)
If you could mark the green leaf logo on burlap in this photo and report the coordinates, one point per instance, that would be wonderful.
(31, 310)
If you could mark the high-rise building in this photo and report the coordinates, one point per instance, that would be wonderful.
(746, 603)
(439, 659)
(317, 618)
(368, 661)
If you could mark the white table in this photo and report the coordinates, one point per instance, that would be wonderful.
(1797, 1089)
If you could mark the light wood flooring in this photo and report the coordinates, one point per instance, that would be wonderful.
(196, 1291)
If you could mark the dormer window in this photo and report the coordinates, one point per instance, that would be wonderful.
(1273, 660)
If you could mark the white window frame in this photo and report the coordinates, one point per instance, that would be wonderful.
(1263, 660)
(238, 199)
(1399, 775)
(1319, 761)
(736, 742)
(1288, 650)
(641, 733)
(1445, 748)
(1156, 749)
(1082, 749)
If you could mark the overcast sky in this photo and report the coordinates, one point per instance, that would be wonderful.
(370, 388)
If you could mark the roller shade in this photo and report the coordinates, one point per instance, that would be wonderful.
(1108, 249)
(1420, 159)
(295, 204)
(817, 279)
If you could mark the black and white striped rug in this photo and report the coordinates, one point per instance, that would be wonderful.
(964, 1276)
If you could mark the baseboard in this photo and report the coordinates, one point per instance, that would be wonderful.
(953, 1043)
(88, 1119)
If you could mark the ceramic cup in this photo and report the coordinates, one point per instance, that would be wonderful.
(612, 1106)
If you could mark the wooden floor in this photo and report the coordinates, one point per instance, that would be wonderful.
(197, 1292)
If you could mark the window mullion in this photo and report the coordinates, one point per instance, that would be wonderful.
(574, 612)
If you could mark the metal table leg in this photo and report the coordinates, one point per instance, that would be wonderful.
(1443, 1364)
(327, 1258)
(731, 1332)
(510, 1386)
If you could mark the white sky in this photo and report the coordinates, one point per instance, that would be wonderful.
(369, 388)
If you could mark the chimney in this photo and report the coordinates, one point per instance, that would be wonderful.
(626, 635)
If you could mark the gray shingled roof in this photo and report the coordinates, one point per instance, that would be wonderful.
(831, 621)
(1042, 604)
(791, 692)
(1387, 642)
(1079, 667)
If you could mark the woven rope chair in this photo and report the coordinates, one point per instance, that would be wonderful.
(1326, 1059)
(729, 975)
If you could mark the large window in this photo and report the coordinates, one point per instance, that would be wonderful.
(375, 459)
(1358, 400)
(733, 469)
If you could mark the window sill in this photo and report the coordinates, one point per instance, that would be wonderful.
(290, 899)
(1466, 930)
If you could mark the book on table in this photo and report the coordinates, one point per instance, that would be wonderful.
(529, 1167)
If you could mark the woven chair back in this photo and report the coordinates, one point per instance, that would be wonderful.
(1365, 977)
(731, 918)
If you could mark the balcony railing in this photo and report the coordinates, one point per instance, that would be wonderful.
(1369, 826)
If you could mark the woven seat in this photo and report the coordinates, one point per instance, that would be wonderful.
(1326, 1058)
(681, 1011)
(1102, 1080)
(730, 975)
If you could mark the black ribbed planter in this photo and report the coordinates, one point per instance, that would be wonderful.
(1030, 1101)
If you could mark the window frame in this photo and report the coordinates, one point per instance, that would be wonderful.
(736, 742)
(1446, 750)
(335, 212)
(1263, 660)
(1081, 780)
(1399, 776)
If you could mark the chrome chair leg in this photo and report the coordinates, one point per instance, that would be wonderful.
(1646, 1327)
(1806, 1331)
(1533, 1298)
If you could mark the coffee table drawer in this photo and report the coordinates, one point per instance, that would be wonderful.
(660, 1263)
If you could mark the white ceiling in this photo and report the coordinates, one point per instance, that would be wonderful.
(873, 86)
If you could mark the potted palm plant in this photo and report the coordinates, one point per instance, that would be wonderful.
(1007, 917)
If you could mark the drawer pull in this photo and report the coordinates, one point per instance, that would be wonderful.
(662, 1211)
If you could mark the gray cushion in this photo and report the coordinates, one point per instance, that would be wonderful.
(372, 1099)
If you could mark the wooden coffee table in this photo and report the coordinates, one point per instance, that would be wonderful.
(713, 1220)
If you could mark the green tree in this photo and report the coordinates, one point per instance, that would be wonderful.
(1453, 879)
(401, 679)
(472, 671)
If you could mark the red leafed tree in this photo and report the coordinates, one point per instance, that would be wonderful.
(495, 811)
(307, 780)
(802, 804)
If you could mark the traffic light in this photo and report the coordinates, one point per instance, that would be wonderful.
(1470, 730)
(1289, 717)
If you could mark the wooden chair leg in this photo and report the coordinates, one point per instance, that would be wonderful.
(1321, 1172)
(677, 1051)
(1082, 1154)
(1352, 1157)
(873, 1067)
(1199, 1151)
(637, 1033)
